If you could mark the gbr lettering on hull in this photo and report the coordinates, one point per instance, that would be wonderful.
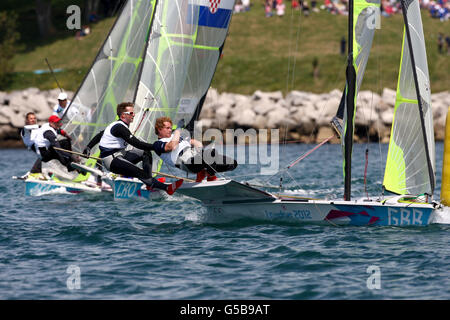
(406, 216)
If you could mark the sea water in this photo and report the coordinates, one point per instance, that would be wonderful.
(90, 247)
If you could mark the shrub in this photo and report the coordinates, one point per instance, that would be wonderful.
(8, 40)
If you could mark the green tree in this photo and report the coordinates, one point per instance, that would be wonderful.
(8, 38)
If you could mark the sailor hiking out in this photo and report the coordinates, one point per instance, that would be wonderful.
(188, 154)
(113, 142)
(45, 139)
(28, 133)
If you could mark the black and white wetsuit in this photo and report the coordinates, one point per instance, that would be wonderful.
(45, 139)
(112, 143)
(189, 159)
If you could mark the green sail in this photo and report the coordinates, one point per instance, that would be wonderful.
(113, 76)
(179, 65)
(411, 159)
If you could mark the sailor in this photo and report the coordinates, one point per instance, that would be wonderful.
(112, 143)
(45, 140)
(188, 154)
(28, 133)
(60, 108)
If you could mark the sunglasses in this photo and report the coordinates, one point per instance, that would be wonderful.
(131, 113)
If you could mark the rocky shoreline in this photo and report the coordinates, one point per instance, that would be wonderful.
(302, 117)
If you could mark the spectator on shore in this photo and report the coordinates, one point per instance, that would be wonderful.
(246, 4)
(93, 17)
(242, 6)
(238, 7)
(305, 8)
(447, 41)
(440, 42)
(85, 30)
(280, 8)
(295, 5)
(268, 8)
(314, 6)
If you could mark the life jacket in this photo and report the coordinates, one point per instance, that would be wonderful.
(108, 141)
(171, 157)
(38, 136)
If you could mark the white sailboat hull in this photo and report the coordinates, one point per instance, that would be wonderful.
(226, 201)
(35, 187)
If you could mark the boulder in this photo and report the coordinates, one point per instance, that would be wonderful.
(3, 96)
(274, 96)
(260, 122)
(203, 124)
(19, 104)
(212, 96)
(388, 96)
(365, 114)
(387, 116)
(223, 113)
(208, 110)
(4, 118)
(280, 117)
(297, 98)
(243, 117)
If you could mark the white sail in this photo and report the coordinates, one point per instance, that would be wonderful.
(113, 77)
(185, 45)
(410, 166)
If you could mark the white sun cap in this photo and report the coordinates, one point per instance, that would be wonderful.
(62, 96)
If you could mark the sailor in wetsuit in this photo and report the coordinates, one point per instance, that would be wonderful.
(188, 154)
(46, 138)
(28, 133)
(113, 141)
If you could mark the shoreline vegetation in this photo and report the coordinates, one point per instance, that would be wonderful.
(284, 72)
(293, 52)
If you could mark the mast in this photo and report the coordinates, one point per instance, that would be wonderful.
(350, 99)
(420, 102)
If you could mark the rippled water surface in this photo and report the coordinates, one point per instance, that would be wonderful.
(163, 250)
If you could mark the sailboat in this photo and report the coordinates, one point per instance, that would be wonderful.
(159, 54)
(111, 79)
(410, 166)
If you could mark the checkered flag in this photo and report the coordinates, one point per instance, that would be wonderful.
(214, 5)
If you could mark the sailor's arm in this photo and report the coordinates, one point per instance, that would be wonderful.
(173, 144)
(31, 126)
(121, 131)
(94, 141)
